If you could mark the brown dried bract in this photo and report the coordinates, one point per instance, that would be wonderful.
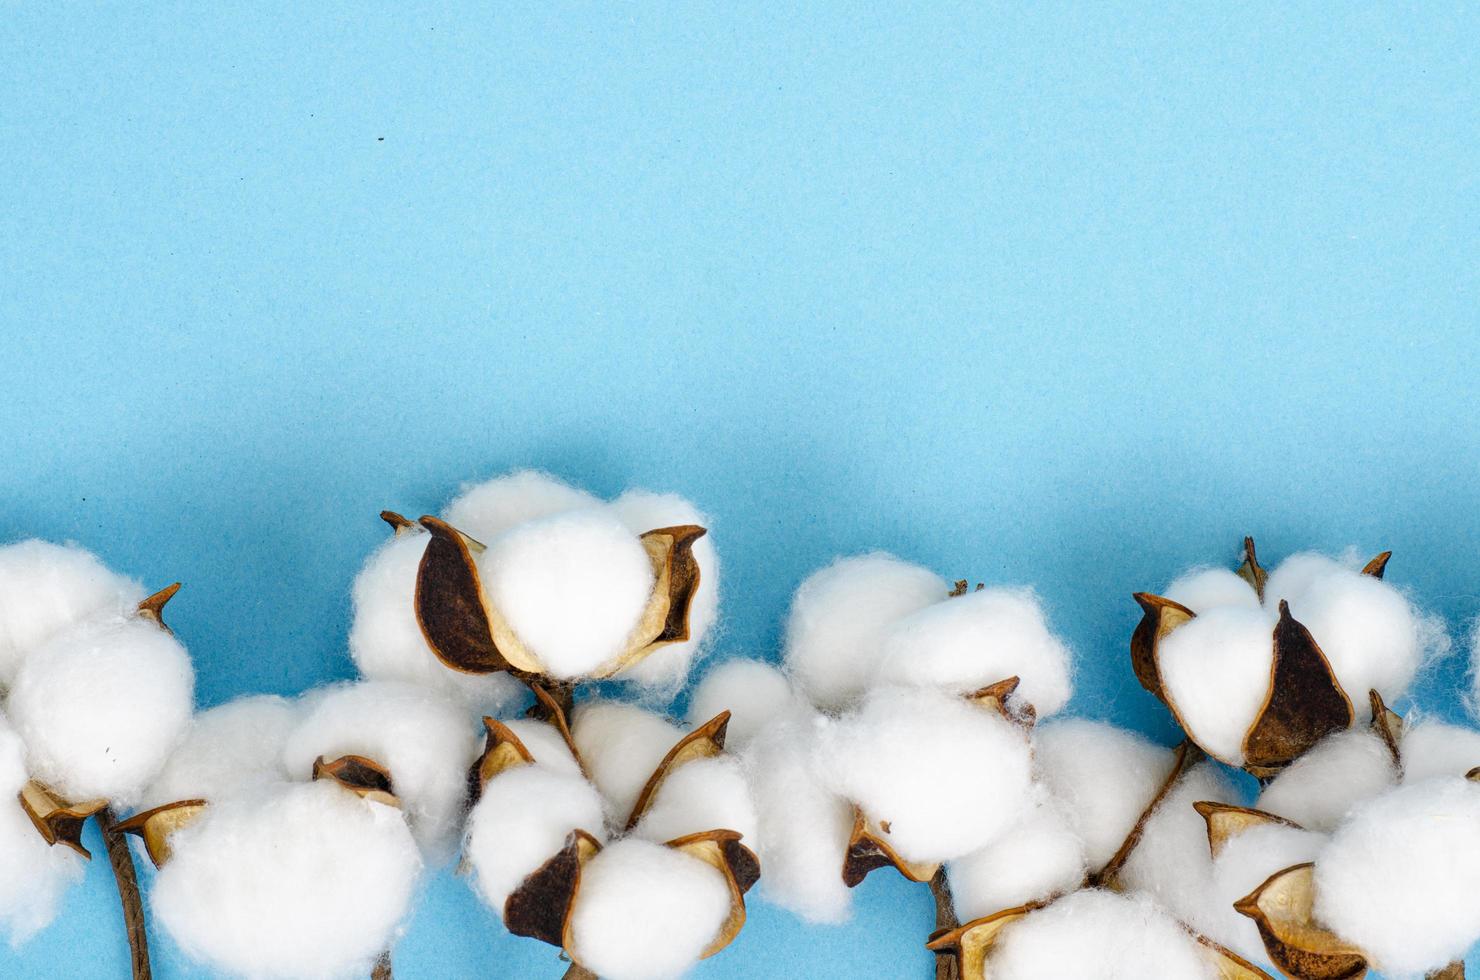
(972, 942)
(152, 607)
(540, 907)
(1159, 617)
(1250, 571)
(155, 827)
(999, 698)
(1388, 725)
(1282, 909)
(1377, 566)
(364, 777)
(502, 750)
(398, 523)
(1230, 965)
(58, 821)
(1305, 702)
(869, 850)
(704, 742)
(1187, 756)
(723, 851)
(1226, 821)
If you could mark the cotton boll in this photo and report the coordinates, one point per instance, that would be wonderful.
(642, 511)
(102, 706)
(646, 912)
(309, 882)
(1294, 576)
(1400, 876)
(1317, 789)
(707, 794)
(572, 587)
(834, 634)
(1098, 935)
(33, 874)
(1216, 670)
(621, 745)
(1246, 862)
(46, 589)
(1203, 589)
(944, 775)
(521, 821)
(977, 639)
(755, 694)
(1104, 776)
(486, 510)
(424, 740)
(386, 641)
(1037, 859)
(545, 744)
(232, 750)
(1432, 748)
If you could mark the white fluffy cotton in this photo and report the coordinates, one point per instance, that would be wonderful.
(1317, 789)
(486, 510)
(545, 744)
(101, 707)
(1246, 862)
(1400, 876)
(835, 631)
(944, 775)
(1098, 935)
(1037, 859)
(47, 588)
(706, 794)
(521, 821)
(1210, 588)
(572, 587)
(621, 745)
(235, 749)
(755, 694)
(1432, 748)
(309, 883)
(977, 639)
(425, 741)
(646, 912)
(33, 874)
(1216, 670)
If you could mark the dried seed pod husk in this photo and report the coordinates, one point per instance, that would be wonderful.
(999, 698)
(704, 742)
(1250, 571)
(398, 523)
(1226, 821)
(1388, 725)
(869, 849)
(364, 777)
(155, 827)
(1230, 965)
(972, 942)
(547, 708)
(1159, 616)
(1283, 910)
(540, 907)
(56, 820)
(1187, 755)
(1305, 702)
(723, 851)
(1454, 971)
(152, 607)
(502, 750)
(1378, 565)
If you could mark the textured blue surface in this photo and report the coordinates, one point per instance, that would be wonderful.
(1074, 296)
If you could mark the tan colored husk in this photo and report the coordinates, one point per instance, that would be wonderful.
(152, 607)
(1226, 821)
(1251, 571)
(364, 777)
(704, 742)
(1230, 965)
(540, 907)
(155, 827)
(56, 820)
(999, 698)
(869, 850)
(723, 851)
(1283, 910)
(972, 942)
(1388, 725)
(399, 524)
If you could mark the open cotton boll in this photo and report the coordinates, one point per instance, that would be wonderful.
(1098, 935)
(47, 588)
(1038, 858)
(545, 744)
(486, 510)
(977, 639)
(234, 749)
(102, 706)
(755, 694)
(1317, 789)
(1400, 876)
(1212, 588)
(1216, 670)
(521, 821)
(309, 882)
(835, 631)
(1246, 862)
(1104, 777)
(572, 587)
(944, 775)
(33, 874)
(424, 740)
(386, 641)
(642, 511)
(621, 745)
(1432, 748)
(645, 911)
(707, 794)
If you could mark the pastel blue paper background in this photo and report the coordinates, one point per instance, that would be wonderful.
(1073, 296)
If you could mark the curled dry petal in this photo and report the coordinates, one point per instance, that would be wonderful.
(1226, 821)
(869, 850)
(540, 907)
(56, 820)
(364, 777)
(723, 851)
(155, 827)
(1187, 756)
(152, 607)
(1282, 909)
(704, 742)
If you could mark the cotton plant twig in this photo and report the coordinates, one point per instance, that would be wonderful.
(127, 879)
(946, 967)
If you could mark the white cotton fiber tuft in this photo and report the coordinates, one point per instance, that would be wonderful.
(1317, 789)
(545, 744)
(1432, 748)
(944, 775)
(1400, 876)
(1098, 935)
(386, 641)
(621, 745)
(1104, 776)
(309, 882)
(642, 511)
(1216, 670)
(521, 821)
(1212, 588)
(425, 741)
(707, 794)
(33, 874)
(646, 912)
(976, 639)
(102, 706)
(755, 694)
(232, 750)
(835, 632)
(486, 510)
(48, 588)
(1245, 862)
(572, 587)
(1037, 859)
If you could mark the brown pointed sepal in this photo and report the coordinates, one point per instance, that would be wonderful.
(1282, 910)
(56, 820)
(971, 943)
(1454, 971)
(1305, 702)
(1388, 726)
(704, 742)
(450, 606)
(155, 827)
(540, 907)
(1377, 566)
(1251, 571)
(1226, 821)
(364, 777)
(398, 523)
(723, 851)
(1000, 698)
(152, 607)
(869, 849)
(502, 750)
(1159, 616)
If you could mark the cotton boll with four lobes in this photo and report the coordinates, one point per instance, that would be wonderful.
(1212, 588)
(645, 911)
(1400, 876)
(977, 639)
(1340, 770)
(642, 511)
(573, 587)
(1216, 670)
(234, 749)
(545, 743)
(308, 881)
(45, 589)
(1245, 862)
(621, 744)
(33, 874)
(425, 741)
(1098, 935)
(1038, 858)
(1103, 776)
(755, 694)
(944, 775)
(521, 821)
(386, 641)
(706, 794)
(1432, 748)
(835, 631)
(485, 510)
(101, 707)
